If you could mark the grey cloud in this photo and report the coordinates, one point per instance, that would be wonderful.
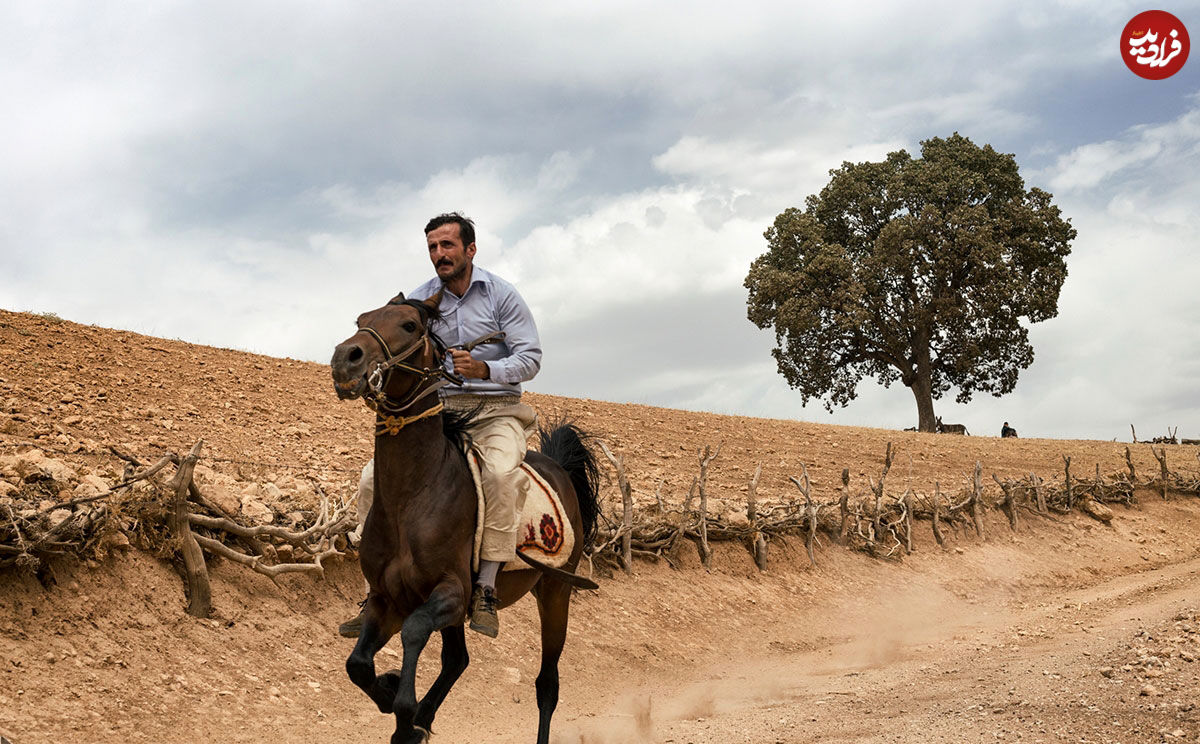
(267, 156)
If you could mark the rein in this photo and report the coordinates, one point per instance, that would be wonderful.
(390, 421)
(388, 411)
(391, 425)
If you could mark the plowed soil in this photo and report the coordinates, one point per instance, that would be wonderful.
(1065, 630)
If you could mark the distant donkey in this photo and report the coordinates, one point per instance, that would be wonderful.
(951, 428)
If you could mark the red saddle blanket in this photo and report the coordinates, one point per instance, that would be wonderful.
(546, 535)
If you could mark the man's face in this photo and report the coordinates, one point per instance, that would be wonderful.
(450, 257)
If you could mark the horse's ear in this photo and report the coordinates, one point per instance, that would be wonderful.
(397, 300)
(433, 302)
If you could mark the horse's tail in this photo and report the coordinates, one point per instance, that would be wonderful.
(566, 444)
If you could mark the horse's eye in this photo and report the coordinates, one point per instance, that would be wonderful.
(410, 326)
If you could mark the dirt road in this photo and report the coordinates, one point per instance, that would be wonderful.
(1102, 650)
(1063, 632)
(1033, 667)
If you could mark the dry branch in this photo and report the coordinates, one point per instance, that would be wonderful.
(626, 507)
(810, 511)
(758, 543)
(1164, 475)
(706, 459)
(1009, 506)
(195, 571)
(1067, 469)
(1036, 484)
(843, 505)
(258, 564)
(937, 504)
(976, 498)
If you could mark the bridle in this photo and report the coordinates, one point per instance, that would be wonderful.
(390, 418)
(378, 378)
(389, 411)
(400, 360)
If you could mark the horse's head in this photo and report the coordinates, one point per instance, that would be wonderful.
(393, 336)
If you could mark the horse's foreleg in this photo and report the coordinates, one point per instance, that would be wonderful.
(454, 663)
(446, 606)
(377, 629)
(554, 599)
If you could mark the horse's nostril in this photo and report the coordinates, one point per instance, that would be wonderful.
(356, 355)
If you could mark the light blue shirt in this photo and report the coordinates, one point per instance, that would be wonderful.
(490, 304)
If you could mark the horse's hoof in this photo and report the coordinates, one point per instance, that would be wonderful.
(387, 686)
(418, 735)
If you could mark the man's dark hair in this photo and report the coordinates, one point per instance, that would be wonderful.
(466, 228)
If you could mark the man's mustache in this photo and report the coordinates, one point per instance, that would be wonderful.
(445, 262)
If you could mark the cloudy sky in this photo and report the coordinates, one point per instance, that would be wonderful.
(252, 175)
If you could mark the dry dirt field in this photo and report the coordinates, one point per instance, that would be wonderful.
(1067, 630)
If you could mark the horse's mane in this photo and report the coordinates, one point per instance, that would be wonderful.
(428, 315)
(454, 427)
(454, 423)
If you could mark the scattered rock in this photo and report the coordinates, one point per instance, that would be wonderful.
(90, 485)
(271, 494)
(737, 518)
(257, 511)
(56, 470)
(229, 503)
(116, 541)
(1096, 510)
(286, 482)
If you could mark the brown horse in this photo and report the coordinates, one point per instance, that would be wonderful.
(418, 537)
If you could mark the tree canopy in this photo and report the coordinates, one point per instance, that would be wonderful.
(918, 270)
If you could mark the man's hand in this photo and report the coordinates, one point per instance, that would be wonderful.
(465, 366)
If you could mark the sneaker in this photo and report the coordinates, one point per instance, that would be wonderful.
(483, 611)
(352, 627)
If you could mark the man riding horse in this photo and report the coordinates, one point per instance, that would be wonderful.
(476, 303)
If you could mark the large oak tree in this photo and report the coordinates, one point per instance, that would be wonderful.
(912, 269)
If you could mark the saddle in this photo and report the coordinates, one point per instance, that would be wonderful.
(546, 535)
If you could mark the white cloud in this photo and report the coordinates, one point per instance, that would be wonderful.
(1156, 155)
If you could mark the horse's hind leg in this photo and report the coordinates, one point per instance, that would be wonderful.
(378, 627)
(446, 606)
(454, 663)
(554, 598)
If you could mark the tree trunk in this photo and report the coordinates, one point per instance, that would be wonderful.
(922, 381)
(922, 391)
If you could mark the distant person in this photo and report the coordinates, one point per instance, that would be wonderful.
(1007, 431)
(474, 303)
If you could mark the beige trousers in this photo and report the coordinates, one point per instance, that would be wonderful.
(500, 434)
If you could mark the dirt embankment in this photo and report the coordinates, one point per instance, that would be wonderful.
(1065, 631)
